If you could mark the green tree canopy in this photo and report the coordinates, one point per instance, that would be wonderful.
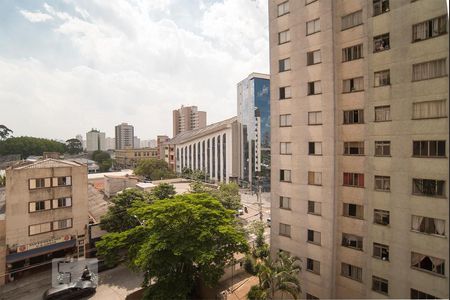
(226, 193)
(103, 160)
(163, 191)
(74, 146)
(26, 146)
(182, 240)
(154, 169)
(5, 132)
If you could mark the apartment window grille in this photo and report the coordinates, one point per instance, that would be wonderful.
(62, 224)
(285, 175)
(283, 8)
(284, 65)
(39, 205)
(285, 120)
(353, 210)
(382, 113)
(314, 88)
(380, 285)
(352, 241)
(428, 225)
(314, 207)
(381, 43)
(315, 148)
(38, 183)
(430, 109)
(381, 251)
(313, 265)
(285, 202)
(314, 178)
(353, 148)
(285, 148)
(313, 57)
(383, 183)
(312, 26)
(314, 237)
(354, 179)
(284, 37)
(382, 78)
(351, 20)
(39, 228)
(354, 116)
(350, 271)
(381, 217)
(428, 187)
(62, 202)
(429, 148)
(429, 70)
(380, 7)
(285, 230)
(430, 28)
(427, 263)
(285, 92)
(416, 294)
(353, 85)
(311, 297)
(315, 118)
(352, 53)
(382, 148)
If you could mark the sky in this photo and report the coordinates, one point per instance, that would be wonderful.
(68, 66)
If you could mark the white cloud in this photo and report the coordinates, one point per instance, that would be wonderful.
(36, 17)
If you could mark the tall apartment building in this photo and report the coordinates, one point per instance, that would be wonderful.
(110, 143)
(359, 114)
(95, 140)
(253, 108)
(124, 136)
(188, 118)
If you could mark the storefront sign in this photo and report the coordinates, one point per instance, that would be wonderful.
(40, 244)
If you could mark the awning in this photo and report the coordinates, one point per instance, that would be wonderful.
(39, 251)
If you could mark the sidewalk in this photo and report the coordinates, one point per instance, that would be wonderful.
(241, 288)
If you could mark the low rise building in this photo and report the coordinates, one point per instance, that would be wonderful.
(115, 184)
(129, 158)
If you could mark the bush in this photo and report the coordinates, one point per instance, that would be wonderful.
(249, 265)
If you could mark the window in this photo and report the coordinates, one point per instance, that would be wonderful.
(283, 8)
(427, 263)
(62, 202)
(315, 148)
(39, 205)
(429, 148)
(380, 285)
(284, 64)
(313, 265)
(381, 217)
(353, 210)
(382, 78)
(314, 88)
(382, 113)
(285, 148)
(312, 26)
(313, 57)
(429, 70)
(285, 230)
(285, 202)
(415, 294)
(311, 297)
(381, 251)
(383, 183)
(351, 271)
(382, 148)
(354, 179)
(62, 181)
(284, 37)
(428, 187)
(314, 178)
(314, 208)
(381, 43)
(428, 225)
(380, 7)
(285, 92)
(429, 29)
(354, 116)
(314, 237)
(62, 224)
(352, 53)
(285, 175)
(39, 228)
(352, 241)
(351, 20)
(315, 118)
(39, 183)
(285, 120)
(430, 109)
(353, 85)
(353, 148)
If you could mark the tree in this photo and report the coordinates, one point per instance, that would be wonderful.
(182, 241)
(103, 160)
(163, 191)
(74, 146)
(186, 172)
(2, 180)
(5, 132)
(26, 146)
(118, 218)
(154, 169)
(226, 193)
(261, 248)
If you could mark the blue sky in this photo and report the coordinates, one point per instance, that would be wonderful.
(71, 65)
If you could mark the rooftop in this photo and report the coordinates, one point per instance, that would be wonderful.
(45, 163)
(109, 174)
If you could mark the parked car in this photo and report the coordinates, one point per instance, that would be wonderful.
(73, 290)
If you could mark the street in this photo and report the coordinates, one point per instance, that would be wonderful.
(251, 202)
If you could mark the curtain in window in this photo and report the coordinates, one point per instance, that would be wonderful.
(439, 226)
(416, 258)
(416, 222)
(437, 262)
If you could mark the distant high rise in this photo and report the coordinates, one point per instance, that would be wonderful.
(110, 143)
(95, 140)
(188, 118)
(124, 136)
(137, 142)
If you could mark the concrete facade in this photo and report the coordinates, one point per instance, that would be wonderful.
(95, 140)
(351, 136)
(188, 118)
(129, 158)
(124, 137)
